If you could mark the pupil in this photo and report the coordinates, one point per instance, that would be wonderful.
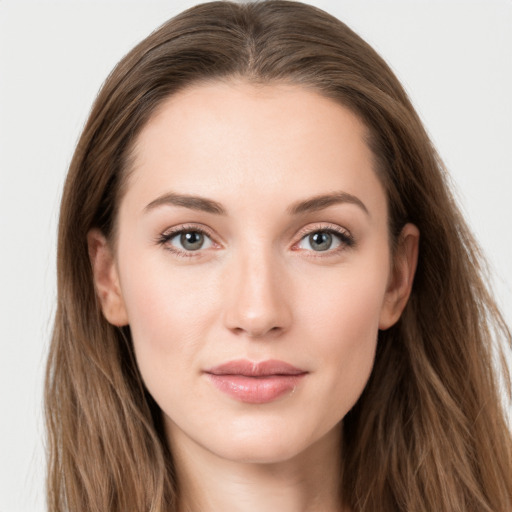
(192, 240)
(321, 240)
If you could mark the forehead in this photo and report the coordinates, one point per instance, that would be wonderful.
(228, 139)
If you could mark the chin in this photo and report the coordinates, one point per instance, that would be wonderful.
(265, 443)
(260, 451)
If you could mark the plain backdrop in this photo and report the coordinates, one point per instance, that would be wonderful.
(453, 57)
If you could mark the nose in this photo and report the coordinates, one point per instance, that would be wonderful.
(257, 303)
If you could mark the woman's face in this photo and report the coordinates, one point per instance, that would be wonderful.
(253, 230)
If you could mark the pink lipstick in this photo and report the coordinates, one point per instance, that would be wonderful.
(255, 383)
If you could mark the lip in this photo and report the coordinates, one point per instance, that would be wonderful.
(255, 383)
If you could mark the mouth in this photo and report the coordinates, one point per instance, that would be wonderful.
(255, 383)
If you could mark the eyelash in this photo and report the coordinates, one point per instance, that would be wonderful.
(167, 236)
(346, 239)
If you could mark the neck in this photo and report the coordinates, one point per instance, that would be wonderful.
(309, 481)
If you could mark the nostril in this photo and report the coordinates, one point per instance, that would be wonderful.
(257, 332)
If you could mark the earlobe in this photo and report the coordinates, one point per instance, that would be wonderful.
(106, 279)
(402, 276)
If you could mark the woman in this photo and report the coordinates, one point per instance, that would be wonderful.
(267, 296)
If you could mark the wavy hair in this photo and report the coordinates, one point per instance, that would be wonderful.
(429, 432)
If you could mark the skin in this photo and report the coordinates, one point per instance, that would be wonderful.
(257, 289)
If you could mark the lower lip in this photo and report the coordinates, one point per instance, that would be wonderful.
(256, 390)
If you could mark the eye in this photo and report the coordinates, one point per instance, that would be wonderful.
(326, 240)
(185, 241)
(191, 240)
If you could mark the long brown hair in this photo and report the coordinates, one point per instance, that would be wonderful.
(429, 432)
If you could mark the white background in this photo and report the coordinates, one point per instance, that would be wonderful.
(454, 58)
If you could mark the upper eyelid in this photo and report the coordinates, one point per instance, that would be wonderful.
(187, 227)
(323, 227)
(301, 233)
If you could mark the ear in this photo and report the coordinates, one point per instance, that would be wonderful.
(106, 279)
(402, 276)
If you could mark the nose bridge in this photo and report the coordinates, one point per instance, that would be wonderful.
(257, 302)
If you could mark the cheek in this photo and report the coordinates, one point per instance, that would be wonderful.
(345, 305)
(168, 313)
(343, 321)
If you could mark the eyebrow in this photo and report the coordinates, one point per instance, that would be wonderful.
(204, 204)
(320, 202)
(187, 201)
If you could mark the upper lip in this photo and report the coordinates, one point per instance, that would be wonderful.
(255, 369)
